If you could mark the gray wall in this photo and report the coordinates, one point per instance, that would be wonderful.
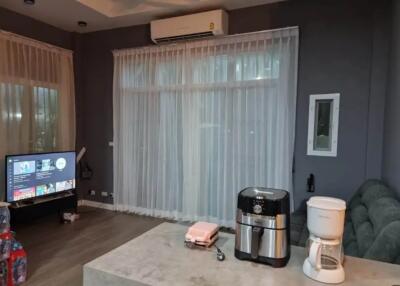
(343, 48)
(28, 27)
(391, 151)
(95, 116)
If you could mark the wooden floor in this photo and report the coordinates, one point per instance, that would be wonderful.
(57, 252)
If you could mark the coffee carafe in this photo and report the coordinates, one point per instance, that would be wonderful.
(325, 221)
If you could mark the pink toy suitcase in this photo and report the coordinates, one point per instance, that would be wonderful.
(202, 234)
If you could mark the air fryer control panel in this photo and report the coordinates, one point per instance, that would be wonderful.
(258, 206)
(266, 202)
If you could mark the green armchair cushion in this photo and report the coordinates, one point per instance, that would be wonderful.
(386, 246)
(383, 212)
(374, 193)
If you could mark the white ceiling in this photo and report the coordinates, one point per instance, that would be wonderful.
(108, 14)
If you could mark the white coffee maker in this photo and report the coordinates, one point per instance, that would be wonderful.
(325, 222)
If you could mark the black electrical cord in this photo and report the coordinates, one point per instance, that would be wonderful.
(220, 254)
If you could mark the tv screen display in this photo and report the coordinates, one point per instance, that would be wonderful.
(35, 175)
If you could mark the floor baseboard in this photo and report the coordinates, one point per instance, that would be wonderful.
(94, 204)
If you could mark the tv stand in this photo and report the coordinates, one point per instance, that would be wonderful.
(22, 204)
(28, 210)
(40, 200)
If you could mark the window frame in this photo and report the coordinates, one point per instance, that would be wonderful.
(334, 125)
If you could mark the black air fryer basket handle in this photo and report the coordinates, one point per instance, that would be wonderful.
(255, 241)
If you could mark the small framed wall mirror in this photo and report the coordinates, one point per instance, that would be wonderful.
(323, 125)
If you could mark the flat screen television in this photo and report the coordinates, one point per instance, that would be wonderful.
(36, 175)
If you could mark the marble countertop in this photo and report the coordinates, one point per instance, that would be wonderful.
(159, 258)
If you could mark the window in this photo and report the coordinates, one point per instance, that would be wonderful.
(45, 109)
(196, 122)
(36, 108)
(323, 126)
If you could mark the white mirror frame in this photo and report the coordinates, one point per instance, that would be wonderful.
(334, 124)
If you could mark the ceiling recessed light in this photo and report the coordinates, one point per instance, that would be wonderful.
(82, 24)
(29, 2)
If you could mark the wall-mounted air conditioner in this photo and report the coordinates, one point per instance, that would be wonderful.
(211, 23)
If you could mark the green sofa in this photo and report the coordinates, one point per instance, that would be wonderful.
(372, 226)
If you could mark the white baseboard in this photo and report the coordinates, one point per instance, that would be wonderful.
(94, 204)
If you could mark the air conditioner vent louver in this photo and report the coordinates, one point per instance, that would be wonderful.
(184, 37)
(211, 23)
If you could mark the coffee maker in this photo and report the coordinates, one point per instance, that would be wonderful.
(262, 226)
(325, 221)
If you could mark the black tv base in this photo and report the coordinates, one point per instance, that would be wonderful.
(29, 210)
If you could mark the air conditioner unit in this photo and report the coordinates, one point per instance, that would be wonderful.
(211, 23)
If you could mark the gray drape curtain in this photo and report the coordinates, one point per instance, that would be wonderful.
(196, 122)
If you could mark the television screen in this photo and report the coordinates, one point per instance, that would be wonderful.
(35, 175)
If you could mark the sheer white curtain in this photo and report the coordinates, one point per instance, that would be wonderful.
(37, 100)
(197, 122)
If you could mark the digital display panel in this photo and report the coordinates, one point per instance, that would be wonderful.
(30, 176)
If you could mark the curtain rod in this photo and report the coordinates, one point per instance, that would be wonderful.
(35, 42)
(204, 39)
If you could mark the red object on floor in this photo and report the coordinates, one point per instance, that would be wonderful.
(17, 265)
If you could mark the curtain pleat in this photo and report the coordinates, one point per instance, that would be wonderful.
(196, 122)
(37, 97)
